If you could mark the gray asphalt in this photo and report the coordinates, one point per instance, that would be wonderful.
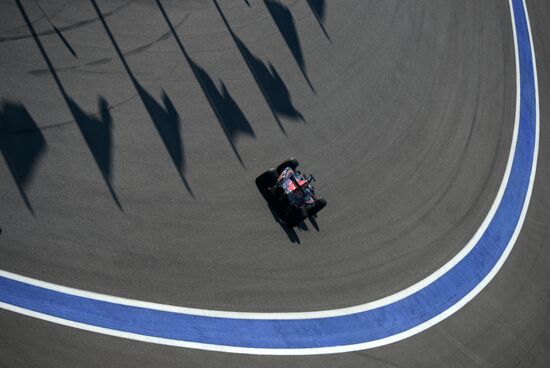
(137, 178)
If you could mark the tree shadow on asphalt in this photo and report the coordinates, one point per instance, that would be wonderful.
(97, 133)
(267, 79)
(68, 27)
(21, 143)
(95, 128)
(229, 115)
(164, 116)
(318, 8)
(270, 81)
(285, 23)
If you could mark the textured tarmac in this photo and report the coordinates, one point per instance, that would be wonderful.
(142, 125)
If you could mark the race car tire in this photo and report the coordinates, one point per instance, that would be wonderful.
(291, 162)
(320, 203)
(266, 180)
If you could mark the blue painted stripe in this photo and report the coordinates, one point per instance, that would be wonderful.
(356, 328)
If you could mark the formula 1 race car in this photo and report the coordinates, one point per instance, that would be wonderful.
(290, 193)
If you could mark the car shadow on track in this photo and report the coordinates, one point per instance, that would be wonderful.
(290, 232)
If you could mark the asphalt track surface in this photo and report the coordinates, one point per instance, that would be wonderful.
(402, 110)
